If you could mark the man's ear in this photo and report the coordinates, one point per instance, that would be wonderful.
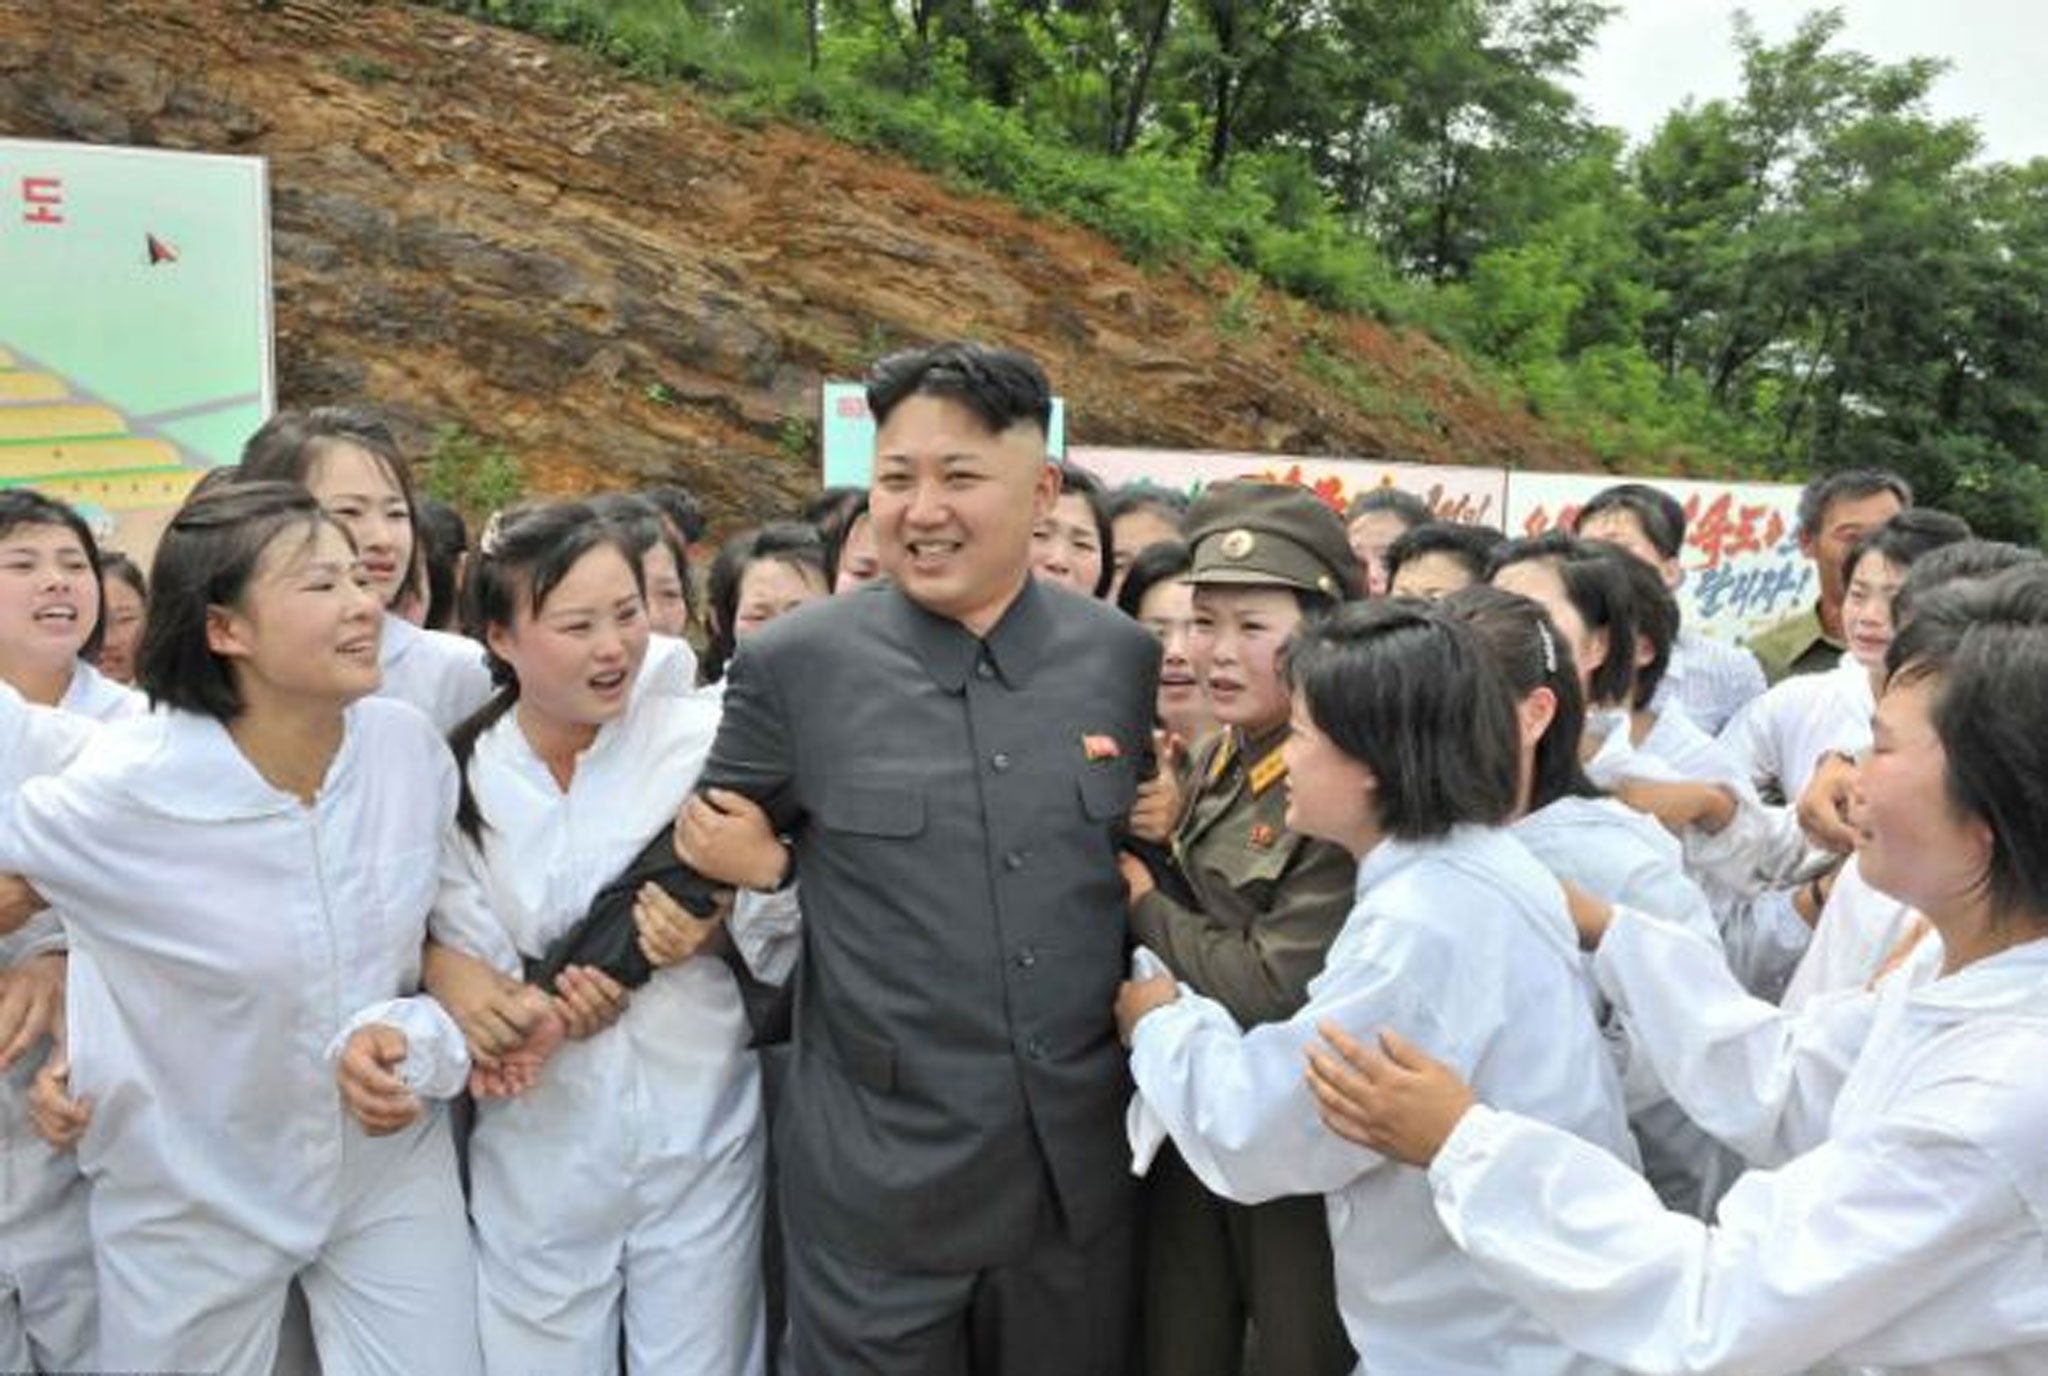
(1046, 495)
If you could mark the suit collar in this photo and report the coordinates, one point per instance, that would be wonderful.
(949, 651)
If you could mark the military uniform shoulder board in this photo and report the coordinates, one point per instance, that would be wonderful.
(1268, 772)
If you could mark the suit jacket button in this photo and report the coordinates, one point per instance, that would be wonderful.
(1000, 761)
(1026, 958)
(1014, 860)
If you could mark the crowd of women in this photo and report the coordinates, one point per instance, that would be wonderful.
(1519, 987)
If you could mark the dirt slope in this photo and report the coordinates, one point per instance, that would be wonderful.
(479, 228)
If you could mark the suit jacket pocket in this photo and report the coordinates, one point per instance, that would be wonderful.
(872, 810)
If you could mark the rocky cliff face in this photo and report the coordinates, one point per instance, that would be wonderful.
(473, 227)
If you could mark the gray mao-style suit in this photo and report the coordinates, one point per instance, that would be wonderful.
(955, 1177)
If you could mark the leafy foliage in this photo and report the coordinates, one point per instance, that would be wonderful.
(1815, 272)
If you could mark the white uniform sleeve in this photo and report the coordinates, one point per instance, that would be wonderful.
(462, 919)
(1758, 1079)
(1237, 1104)
(1803, 1262)
(767, 929)
(436, 1064)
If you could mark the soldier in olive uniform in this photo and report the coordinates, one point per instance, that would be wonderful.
(1267, 905)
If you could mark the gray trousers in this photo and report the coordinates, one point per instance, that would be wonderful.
(1060, 1310)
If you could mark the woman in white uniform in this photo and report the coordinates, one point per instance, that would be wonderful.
(283, 832)
(46, 1288)
(1902, 1222)
(1603, 846)
(1404, 752)
(51, 609)
(625, 1186)
(350, 461)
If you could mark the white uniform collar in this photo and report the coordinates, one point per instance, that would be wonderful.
(196, 772)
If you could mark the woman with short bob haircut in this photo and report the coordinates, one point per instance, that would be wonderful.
(53, 609)
(283, 825)
(1898, 1215)
(1404, 752)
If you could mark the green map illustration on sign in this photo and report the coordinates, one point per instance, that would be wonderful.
(134, 321)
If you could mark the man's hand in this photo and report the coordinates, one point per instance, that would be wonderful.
(727, 838)
(31, 1005)
(1137, 997)
(1396, 1100)
(1826, 805)
(59, 1119)
(367, 1072)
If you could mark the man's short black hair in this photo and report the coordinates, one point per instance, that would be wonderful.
(1002, 387)
(1658, 514)
(1468, 544)
(1846, 485)
(1410, 693)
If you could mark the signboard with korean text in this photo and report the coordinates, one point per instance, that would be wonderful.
(1743, 568)
(1476, 496)
(848, 434)
(135, 341)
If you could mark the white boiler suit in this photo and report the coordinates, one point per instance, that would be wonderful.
(223, 936)
(628, 1183)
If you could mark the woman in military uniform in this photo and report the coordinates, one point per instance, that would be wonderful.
(1266, 905)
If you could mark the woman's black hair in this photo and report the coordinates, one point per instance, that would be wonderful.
(1412, 510)
(1905, 537)
(1151, 566)
(784, 542)
(522, 556)
(1655, 613)
(1079, 482)
(291, 444)
(116, 565)
(1599, 590)
(1531, 654)
(1985, 643)
(1469, 545)
(640, 521)
(1411, 694)
(208, 554)
(444, 540)
(679, 509)
(837, 531)
(1659, 515)
(1966, 559)
(23, 506)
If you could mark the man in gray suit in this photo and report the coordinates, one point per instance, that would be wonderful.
(952, 753)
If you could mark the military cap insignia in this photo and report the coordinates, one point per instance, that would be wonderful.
(1237, 544)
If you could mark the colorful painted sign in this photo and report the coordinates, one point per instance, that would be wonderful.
(135, 342)
(1742, 565)
(1476, 496)
(848, 434)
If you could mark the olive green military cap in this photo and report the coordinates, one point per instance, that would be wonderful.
(1270, 534)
